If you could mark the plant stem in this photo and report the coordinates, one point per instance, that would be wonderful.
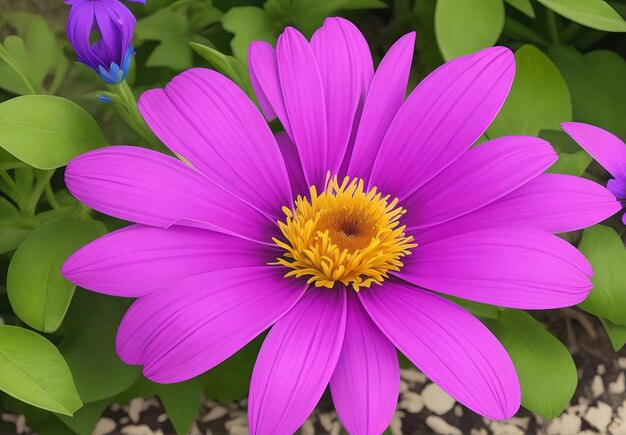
(128, 110)
(553, 30)
(37, 191)
(52, 199)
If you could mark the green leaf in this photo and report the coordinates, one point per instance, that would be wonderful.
(596, 83)
(478, 309)
(11, 231)
(38, 293)
(88, 346)
(231, 379)
(573, 160)
(33, 371)
(464, 27)
(85, 419)
(616, 333)
(524, 6)
(604, 249)
(46, 131)
(35, 53)
(171, 29)
(248, 23)
(545, 368)
(230, 66)
(538, 100)
(596, 14)
(182, 403)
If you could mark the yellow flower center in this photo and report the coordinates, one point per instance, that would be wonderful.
(344, 235)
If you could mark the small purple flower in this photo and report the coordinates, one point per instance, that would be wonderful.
(607, 149)
(110, 55)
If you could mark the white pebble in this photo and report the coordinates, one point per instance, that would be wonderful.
(104, 426)
(138, 430)
(214, 414)
(440, 426)
(20, 424)
(396, 423)
(308, 428)
(566, 424)
(134, 409)
(437, 400)
(619, 385)
(597, 386)
(621, 361)
(412, 375)
(599, 416)
(505, 428)
(411, 402)
(601, 369)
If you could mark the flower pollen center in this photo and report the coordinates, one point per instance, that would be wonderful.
(344, 234)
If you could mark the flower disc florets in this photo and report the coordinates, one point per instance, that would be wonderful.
(343, 234)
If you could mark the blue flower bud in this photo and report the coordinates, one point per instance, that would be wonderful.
(110, 53)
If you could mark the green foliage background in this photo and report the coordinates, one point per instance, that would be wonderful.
(57, 359)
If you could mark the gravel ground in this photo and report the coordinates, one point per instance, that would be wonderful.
(598, 407)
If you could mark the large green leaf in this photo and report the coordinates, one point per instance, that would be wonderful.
(596, 14)
(85, 419)
(524, 6)
(33, 57)
(231, 379)
(182, 403)
(573, 160)
(38, 293)
(33, 371)
(171, 29)
(248, 23)
(538, 100)
(545, 368)
(88, 346)
(604, 249)
(617, 333)
(46, 131)
(463, 27)
(596, 83)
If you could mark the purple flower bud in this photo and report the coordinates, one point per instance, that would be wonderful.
(109, 54)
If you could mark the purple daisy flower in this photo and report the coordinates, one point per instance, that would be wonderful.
(608, 149)
(338, 232)
(110, 55)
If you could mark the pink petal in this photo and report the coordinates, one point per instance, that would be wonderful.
(481, 176)
(605, 147)
(366, 382)
(441, 119)
(552, 202)
(262, 61)
(303, 92)
(292, 162)
(204, 117)
(266, 83)
(383, 100)
(296, 362)
(342, 62)
(449, 345)
(150, 188)
(138, 260)
(516, 267)
(196, 323)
